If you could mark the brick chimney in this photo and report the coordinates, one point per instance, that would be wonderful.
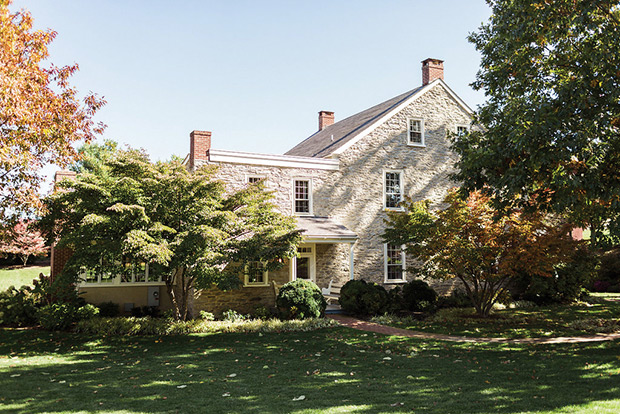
(63, 175)
(199, 145)
(326, 119)
(431, 69)
(60, 256)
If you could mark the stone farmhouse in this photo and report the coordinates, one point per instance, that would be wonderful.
(338, 183)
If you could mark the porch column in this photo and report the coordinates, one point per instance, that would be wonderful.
(351, 257)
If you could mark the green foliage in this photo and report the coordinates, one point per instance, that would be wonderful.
(109, 309)
(418, 296)
(126, 211)
(60, 316)
(569, 283)
(609, 271)
(456, 299)
(262, 312)
(167, 326)
(206, 316)
(232, 315)
(18, 307)
(301, 299)
(361, 298)
(550, 128)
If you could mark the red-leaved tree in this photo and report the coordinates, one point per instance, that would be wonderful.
(24, 241)
(469, 242)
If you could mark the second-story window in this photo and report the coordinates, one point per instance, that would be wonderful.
(252, 179)
(393, 189)
(302, 201)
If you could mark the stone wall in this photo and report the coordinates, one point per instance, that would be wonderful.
(354, 194)
(245, 299)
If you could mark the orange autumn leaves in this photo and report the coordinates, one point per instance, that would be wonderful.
(41, 115)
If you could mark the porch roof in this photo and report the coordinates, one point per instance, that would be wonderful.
(324, 230)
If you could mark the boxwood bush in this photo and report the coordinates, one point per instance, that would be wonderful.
(361, 298)
(418, 296)
(301, 299)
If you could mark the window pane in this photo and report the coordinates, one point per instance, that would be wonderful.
(303, 268)
(415, 131)
(392, 189)
(394, 261)
(255, 272)
(302, 196)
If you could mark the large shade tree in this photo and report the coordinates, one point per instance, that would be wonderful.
(186, 226)
(467, 241)
(550, 136)
(41, 114)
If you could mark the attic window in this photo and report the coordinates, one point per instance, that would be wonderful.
(415, 132)
(462, 130)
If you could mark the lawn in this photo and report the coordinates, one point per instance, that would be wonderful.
(580, 318)
(21, 276)
(335, 370)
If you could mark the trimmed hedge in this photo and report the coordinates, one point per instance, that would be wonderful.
(418, 296)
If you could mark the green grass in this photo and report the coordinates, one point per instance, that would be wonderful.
(337, 370)
(557, 320)
(21, 276)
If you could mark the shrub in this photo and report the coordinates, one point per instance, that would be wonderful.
(139, 312)
(567, 284)
(206, 316)
(456, 299)
(232, 315)
(262, 312)
(395, 300)
(18, 307)
(361, 298)
(108, 309)
(60, 316)
(301, 299)
(418, 296)
(166, 326)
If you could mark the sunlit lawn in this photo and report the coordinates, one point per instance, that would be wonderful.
(336, 370)
(554, 320)
(21, 276)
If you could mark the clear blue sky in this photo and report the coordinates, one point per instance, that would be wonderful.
(255, 73)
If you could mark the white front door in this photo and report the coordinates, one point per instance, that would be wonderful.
(303, 267)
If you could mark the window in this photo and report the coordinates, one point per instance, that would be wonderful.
(394, 263)
(252, 179)
(392, 189)
(255, 274)
(126, 273)
(303, 266)
(415, 132)
(302, 197)
(462, 130)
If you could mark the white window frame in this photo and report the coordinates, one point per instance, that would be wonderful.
(310, 206)
(311, 263)
(401, 174)
(246, 278)
(422, 131)
(385, 265)
(115, 281)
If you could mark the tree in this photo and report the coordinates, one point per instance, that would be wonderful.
(24, 240)
(550, 136)
(469, 242)
(41, 116)
(184, 225)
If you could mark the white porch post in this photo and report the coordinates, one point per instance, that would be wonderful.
(351, 257)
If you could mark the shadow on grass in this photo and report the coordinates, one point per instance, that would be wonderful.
(337, 370)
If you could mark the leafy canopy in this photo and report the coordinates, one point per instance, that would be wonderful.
(184, 225)
(550, 135)
(467, 241)
(41, 115)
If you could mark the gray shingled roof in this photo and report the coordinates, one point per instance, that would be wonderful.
(324, 228)
(323, 143)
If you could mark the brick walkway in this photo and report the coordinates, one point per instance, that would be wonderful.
(388, 330)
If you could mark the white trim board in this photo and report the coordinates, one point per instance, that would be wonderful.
(250, 158)
(399, 108)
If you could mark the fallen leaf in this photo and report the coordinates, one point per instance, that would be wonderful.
(231, 376)
(226, 394)
(300, 398)
(181, 386)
